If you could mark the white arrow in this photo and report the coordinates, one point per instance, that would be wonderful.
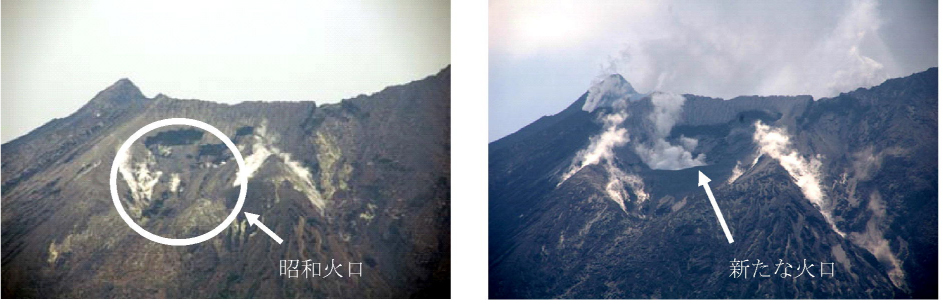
(702, 180)
(254, 220)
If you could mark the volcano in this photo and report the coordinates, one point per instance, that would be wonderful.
(825, 198)
(361, 183)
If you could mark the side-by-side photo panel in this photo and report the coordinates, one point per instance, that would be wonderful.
(226, 149)
(713, 150)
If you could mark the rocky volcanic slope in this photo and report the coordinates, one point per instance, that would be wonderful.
(362, 181)
(576, 210)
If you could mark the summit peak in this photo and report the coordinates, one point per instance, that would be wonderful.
(122, 91)
(123, 83)
(609, 91)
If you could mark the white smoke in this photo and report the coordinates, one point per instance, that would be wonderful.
(842, 54)
(301, 180)
(873, 240)
(262, 148)
(866, 163)
(174, 182)
(254, 161)
(619, 181)
(805, 171)
(600, 151)
(740, 168)
(688, 143)
(666, 112)
(140, 179)
(735, 173)
(660, 154)
(600, 146)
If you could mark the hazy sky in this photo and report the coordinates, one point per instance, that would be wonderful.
(543, 57)
(58, 54)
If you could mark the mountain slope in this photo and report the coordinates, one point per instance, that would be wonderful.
(605, 204)
(362, 181)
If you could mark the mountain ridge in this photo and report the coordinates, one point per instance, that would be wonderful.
(364, 181)
(537, 223)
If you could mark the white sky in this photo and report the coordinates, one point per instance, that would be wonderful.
(543, 57)
(56, 55)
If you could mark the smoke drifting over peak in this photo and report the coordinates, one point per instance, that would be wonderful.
(701, 50)
(540, 53)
